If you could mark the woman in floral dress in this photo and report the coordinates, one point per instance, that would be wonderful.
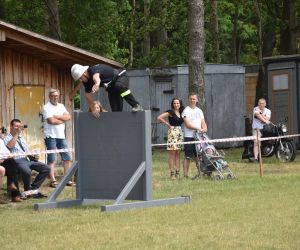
(175, 135)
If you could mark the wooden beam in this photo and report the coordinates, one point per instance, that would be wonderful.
(74, 91)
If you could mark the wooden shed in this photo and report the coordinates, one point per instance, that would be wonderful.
(30, 65)
(283, 74)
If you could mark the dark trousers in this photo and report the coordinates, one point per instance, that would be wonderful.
(10, 166)
(115, 91)
(25, 167)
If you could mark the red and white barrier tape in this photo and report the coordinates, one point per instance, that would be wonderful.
(244, 138)
(278, 137)
(34, 152)
(233, 139)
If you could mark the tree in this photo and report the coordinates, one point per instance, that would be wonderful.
(160, 34)
(146, 38)
(260, 86)
(53, 19)
(288, 31)
(2, 10)
(196, 50)
(234, 46)
(132, 33)
(215, 30)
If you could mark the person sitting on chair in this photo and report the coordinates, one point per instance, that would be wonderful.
(17, 144)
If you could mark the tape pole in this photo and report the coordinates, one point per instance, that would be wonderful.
(259, 153)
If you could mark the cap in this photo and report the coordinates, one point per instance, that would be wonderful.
(77, 71)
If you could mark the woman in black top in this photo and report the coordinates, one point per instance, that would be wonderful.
(175, 135)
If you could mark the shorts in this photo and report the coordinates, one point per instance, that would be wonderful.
(256, 133)
(189, 149)
(175, 135)
(55, 143)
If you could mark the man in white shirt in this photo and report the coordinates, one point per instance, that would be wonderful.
(55, 116)
(193, 119)
(261, 116)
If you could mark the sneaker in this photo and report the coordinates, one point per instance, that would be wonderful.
(29, 193)
(137, 108)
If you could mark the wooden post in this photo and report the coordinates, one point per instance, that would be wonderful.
(259, 154)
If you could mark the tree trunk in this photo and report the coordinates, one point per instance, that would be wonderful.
(234, 37)
(288, 33)
(260, 88)
(269, 38)
(146, 43)
(196, 50)
(131, 34)
(257, 4)
(215, 28)
(161, 35)
(53, 19)
(2, 10)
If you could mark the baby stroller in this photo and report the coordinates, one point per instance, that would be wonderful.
(209, 161)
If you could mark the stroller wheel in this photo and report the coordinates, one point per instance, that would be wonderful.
(217, 177)
(230, 177)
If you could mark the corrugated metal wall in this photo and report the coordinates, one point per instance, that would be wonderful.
(225, 97)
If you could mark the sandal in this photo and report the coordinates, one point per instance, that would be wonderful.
(71, 184)
(53, 184)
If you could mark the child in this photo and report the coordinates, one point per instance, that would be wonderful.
(98, 107)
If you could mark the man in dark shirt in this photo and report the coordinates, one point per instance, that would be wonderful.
(115, 82)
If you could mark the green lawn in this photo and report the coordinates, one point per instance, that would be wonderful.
(247, 213)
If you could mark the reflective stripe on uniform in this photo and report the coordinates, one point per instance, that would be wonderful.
(127, 92)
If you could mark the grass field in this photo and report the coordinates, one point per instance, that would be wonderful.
(247, 213)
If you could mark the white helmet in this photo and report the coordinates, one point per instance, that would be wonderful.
(77, 71)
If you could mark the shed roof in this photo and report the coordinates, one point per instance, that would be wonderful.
(48, 49)
(281, 58)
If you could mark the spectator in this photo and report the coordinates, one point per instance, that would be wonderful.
(55, 116)
(98, 107)
(193, 119)
(175, 135)
(116, 84)
(17, 144)
(2, 174)
(10, 169)
(261, 116)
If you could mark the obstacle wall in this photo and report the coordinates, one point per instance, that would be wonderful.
(109, 150)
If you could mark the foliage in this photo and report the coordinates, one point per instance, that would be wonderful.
(110, 27)
(26, 14)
